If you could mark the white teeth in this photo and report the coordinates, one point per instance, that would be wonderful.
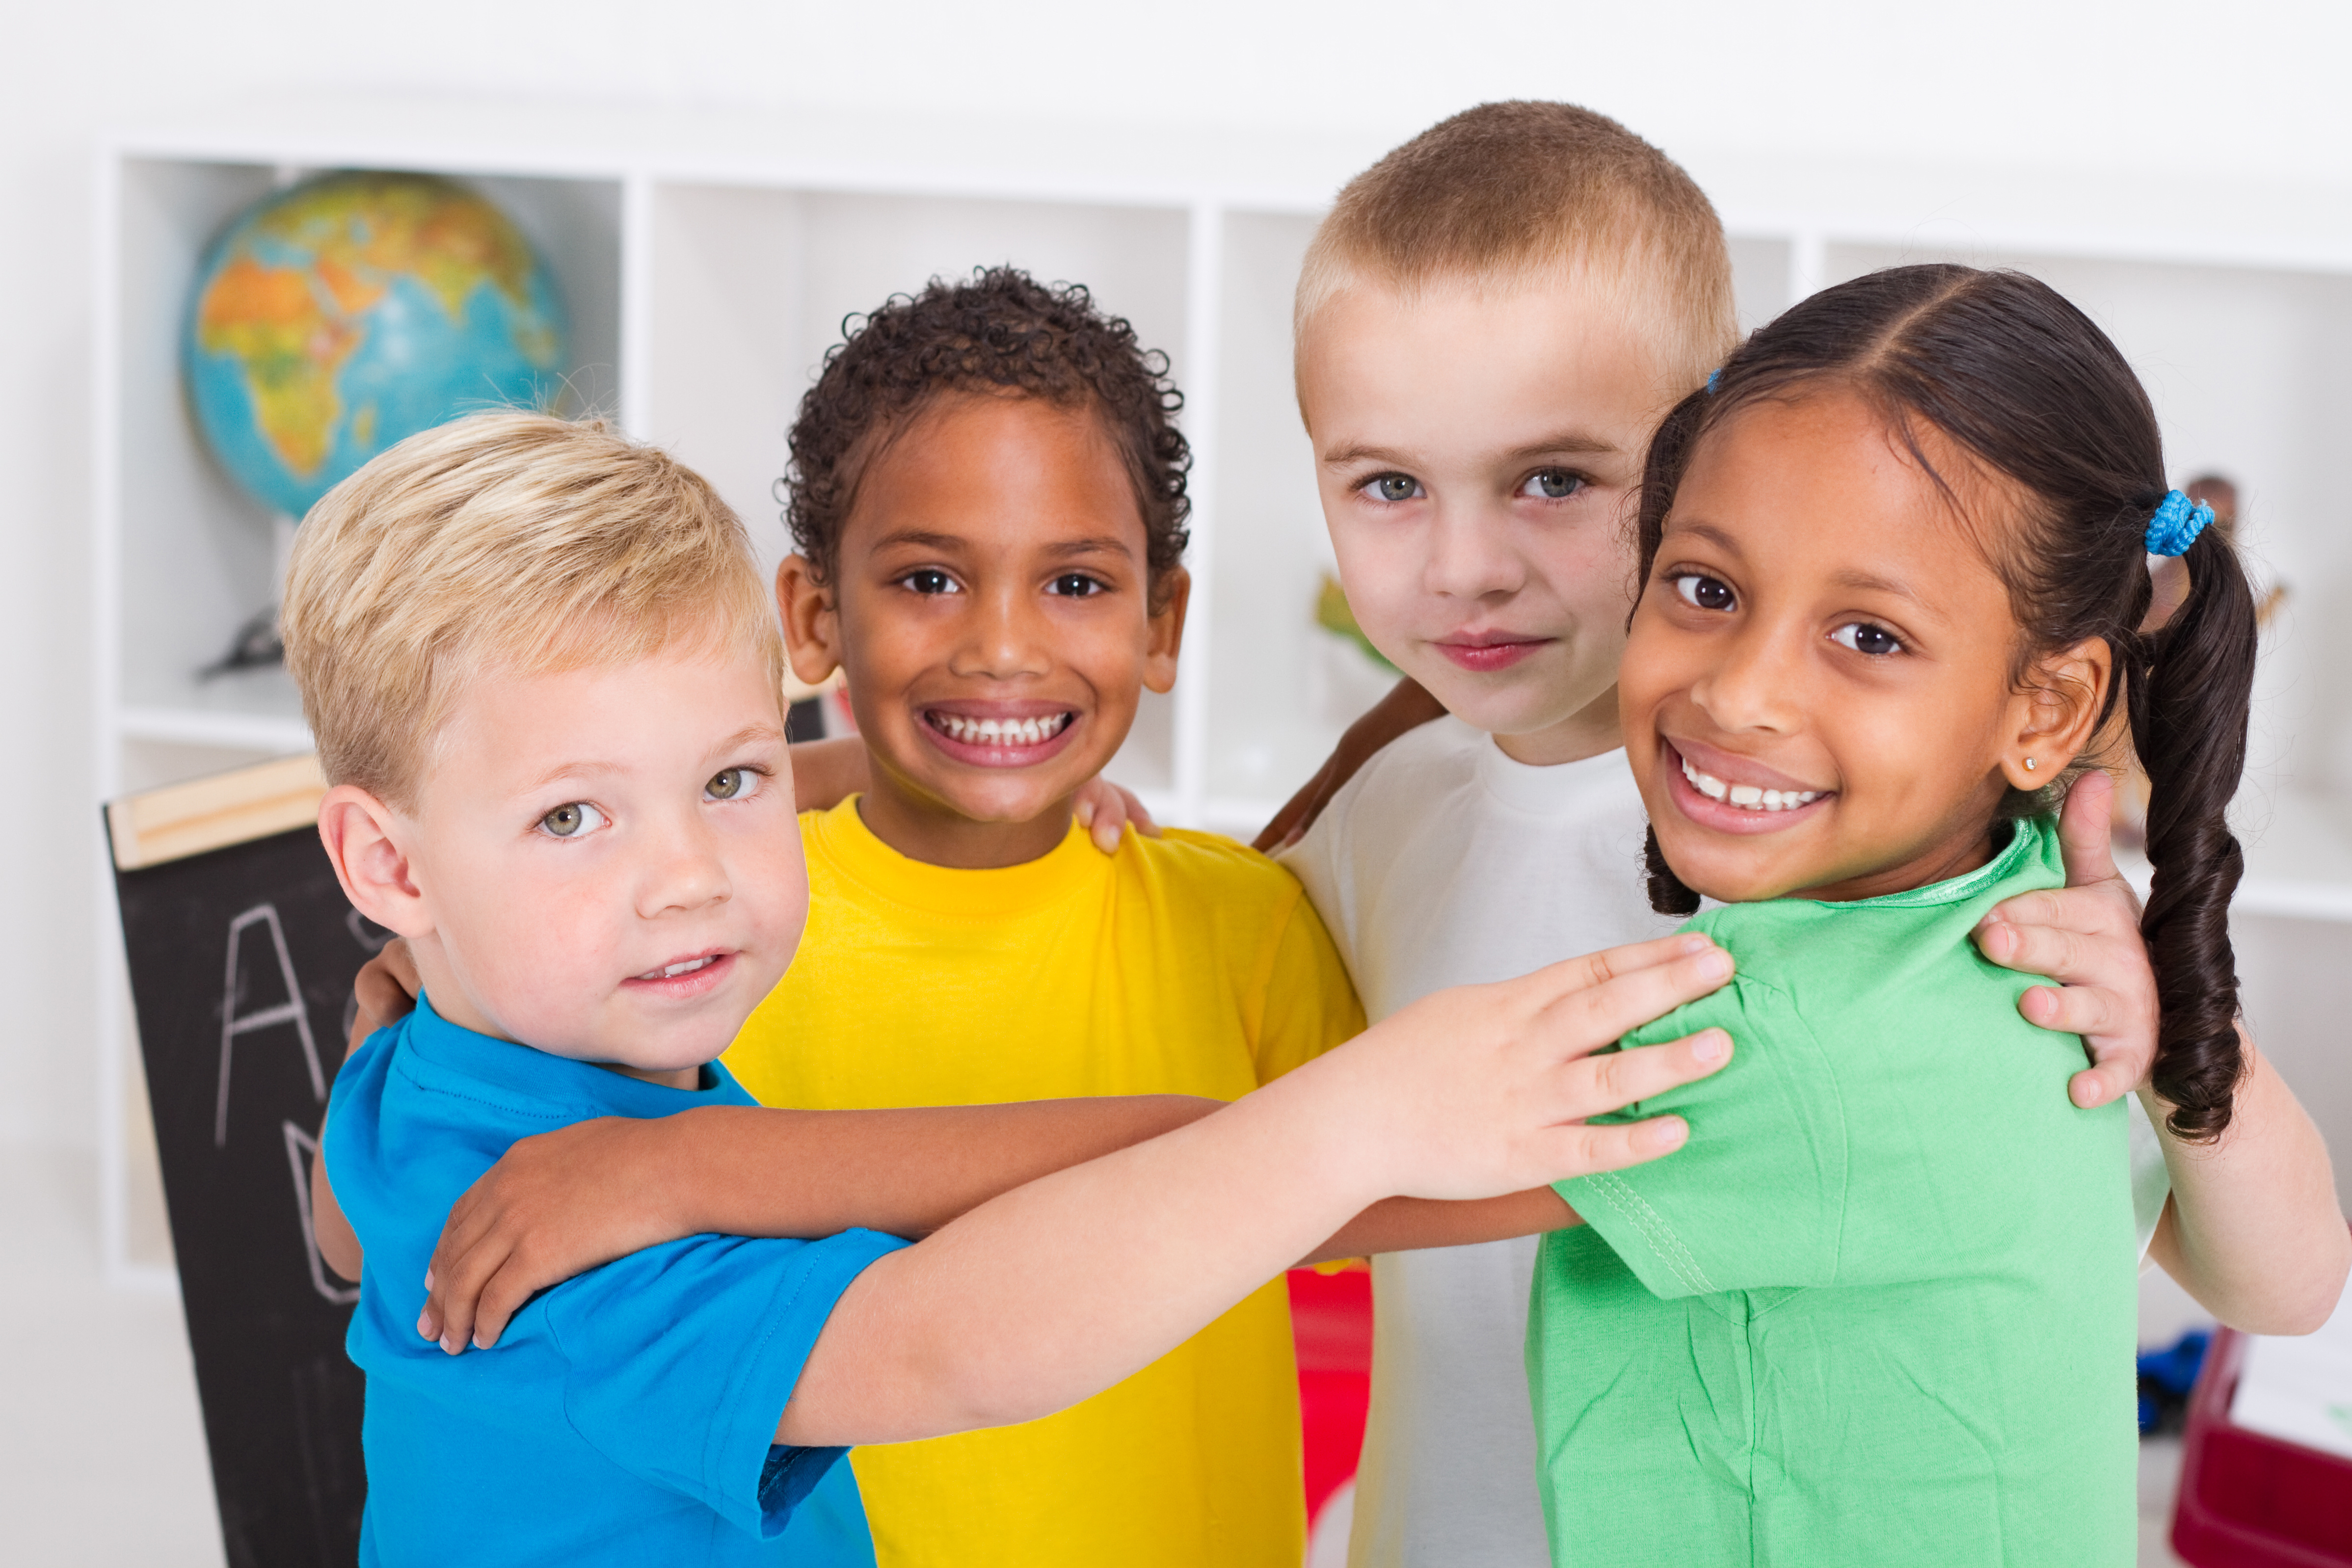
(674, 970)
(1000, 732)
(1747, 796)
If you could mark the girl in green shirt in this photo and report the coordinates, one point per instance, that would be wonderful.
(1880, 1308)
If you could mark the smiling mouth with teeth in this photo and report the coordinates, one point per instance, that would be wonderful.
(999, 731)
(1747, 796)
(675, 970)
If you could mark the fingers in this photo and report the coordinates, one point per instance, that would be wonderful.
(385, 989)
(1138, 815)
(2117, 1028)
(2050, 951)
(1103, 808)
(1584, 1151)
(2078, 1009)
(2107, 1081)
(1600, 1085)
(2085, 830)
(1667, 965)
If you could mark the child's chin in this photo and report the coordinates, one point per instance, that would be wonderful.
(1725, 875)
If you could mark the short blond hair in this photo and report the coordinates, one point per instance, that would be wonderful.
(503, 542)
(1515, 194)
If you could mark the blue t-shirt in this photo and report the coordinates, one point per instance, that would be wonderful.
(626, 1415)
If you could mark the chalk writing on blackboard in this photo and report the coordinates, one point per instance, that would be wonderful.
(290, 1011)
(302, 1147)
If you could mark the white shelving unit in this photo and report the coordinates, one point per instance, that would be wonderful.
(709, 263)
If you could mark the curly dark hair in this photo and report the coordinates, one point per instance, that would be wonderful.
(1000, 332)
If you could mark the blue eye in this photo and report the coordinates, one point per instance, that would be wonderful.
(1392, 487)
(930, 579)
(1703, 593)
(573, 819)
(1552, 485)
(1861, 636)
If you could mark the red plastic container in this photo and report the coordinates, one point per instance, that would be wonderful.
(1331, 1322)
(2251, 1501)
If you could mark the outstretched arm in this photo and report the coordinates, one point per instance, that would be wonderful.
(2253, 1229)
(564, 1202)
(1059, 1290)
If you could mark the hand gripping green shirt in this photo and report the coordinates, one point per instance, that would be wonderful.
(1880, 1309)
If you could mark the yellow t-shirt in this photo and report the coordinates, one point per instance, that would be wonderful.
(1186, 965)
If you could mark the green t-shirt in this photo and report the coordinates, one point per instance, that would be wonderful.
(1880, 1309)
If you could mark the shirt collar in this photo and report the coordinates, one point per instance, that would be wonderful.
(545, 1078)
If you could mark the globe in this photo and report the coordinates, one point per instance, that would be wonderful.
(346, 313)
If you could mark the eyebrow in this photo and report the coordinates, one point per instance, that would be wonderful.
(1866, 582)
(1098, 544)
(1563, 443)
(749, 733)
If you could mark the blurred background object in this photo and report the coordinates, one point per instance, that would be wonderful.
(333, 320)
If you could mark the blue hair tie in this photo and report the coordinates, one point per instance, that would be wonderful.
(1712, 376)
(2176, 523)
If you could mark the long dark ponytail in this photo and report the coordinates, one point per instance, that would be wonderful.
(2004, 366)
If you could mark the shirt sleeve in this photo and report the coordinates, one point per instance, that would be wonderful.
(681, 1358)
(1757, 1198)
(1310, 1004)
(2151, 1179)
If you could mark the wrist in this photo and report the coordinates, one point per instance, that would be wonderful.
(1330, 1127)
(675, 1177)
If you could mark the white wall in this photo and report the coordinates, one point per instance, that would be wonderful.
(2162, 91)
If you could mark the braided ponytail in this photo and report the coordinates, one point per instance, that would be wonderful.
(2030, 388)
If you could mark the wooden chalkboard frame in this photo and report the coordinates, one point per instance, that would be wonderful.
(242, 951)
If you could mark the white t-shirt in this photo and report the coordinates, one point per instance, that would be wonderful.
(1444, 863)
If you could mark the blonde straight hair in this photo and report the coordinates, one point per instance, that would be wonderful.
(1513, 196)
(504, 542)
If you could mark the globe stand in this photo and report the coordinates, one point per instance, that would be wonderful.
(258, 644)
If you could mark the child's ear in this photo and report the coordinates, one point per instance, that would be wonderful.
(811, 621)
(359, 832)
(2058, 712)
(1169, 594)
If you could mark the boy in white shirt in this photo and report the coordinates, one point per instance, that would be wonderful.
(1489, 324)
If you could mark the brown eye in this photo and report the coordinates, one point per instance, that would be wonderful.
(1864, 638)
(1704, 592)
(728, 783)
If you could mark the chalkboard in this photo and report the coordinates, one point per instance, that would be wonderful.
(242, 952)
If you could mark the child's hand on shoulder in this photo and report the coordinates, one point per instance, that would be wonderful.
(555, 1205)
(1482, 1091)
(2086, 935)
(1103, 808)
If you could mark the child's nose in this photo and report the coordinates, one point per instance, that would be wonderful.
(687, 873)
(1007, 637)
(1754, 684)
(1468, 556)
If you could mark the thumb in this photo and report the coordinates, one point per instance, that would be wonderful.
(2083, 830)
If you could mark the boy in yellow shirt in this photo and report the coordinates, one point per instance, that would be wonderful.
(988, 498)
